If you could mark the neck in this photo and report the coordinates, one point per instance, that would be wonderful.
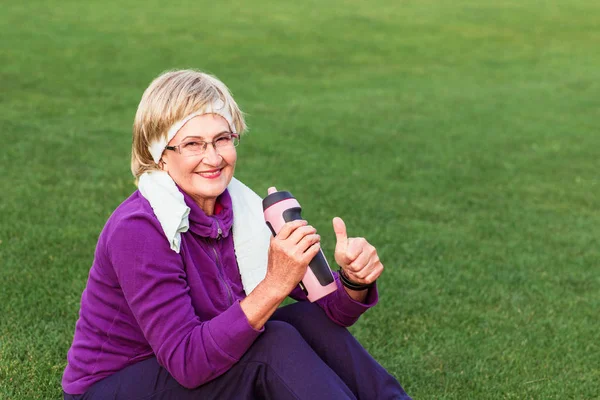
(207, 205)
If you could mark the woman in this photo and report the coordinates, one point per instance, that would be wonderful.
(172, 310)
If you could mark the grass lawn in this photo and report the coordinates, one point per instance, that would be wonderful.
(460, 137)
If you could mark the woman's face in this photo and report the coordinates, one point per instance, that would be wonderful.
(204, 177)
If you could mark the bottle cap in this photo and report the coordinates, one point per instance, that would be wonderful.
(275, 197)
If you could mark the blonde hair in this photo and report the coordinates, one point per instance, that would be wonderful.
(171, 97)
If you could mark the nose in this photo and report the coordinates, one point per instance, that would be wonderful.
(211, 156)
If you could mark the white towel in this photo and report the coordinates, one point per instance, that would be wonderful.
(168, 205)
(251, 236)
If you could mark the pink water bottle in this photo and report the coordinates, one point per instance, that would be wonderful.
(282, 207)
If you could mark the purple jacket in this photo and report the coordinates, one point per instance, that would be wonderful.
(143, 299)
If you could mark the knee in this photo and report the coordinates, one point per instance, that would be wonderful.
(280, 332)
(310, 311)
(278, 335)
(278, 342)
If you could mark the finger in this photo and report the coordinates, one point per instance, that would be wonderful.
(311, 252)
(372, 271)
(356, 246)
(308, 241)
(375, 274)
(368, 269)
(352, 276)
(359, 262)
(290, 227)
(339, 227)
(300, 233)
(359, 277)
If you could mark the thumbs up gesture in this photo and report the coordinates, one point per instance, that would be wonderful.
(357, 257)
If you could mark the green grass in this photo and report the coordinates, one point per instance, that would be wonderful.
(461, 138)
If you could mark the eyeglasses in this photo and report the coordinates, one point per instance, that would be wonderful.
(195, 147)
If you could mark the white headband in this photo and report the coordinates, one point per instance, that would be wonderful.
(218, 107)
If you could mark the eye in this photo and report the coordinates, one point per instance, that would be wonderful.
(223, 140)
(192, 144)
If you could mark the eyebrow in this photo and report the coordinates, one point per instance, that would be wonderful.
(202, 137)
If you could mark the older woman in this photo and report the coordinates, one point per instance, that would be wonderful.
(182, 298)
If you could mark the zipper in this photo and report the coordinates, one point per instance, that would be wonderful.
(222, 276)
(219, 231)
(220, 267)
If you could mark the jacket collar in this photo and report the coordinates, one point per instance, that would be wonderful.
(215, 226)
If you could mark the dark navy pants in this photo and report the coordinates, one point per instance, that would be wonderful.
(301, 354)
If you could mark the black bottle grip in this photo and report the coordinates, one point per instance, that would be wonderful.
(318, 264)
(292, 214)
(320, 268)
(271, 228)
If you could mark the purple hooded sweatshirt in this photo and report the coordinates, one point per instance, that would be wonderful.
(142, 299)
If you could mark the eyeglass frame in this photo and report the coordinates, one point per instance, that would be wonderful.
(205, 146)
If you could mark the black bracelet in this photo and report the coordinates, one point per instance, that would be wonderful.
(353, 285)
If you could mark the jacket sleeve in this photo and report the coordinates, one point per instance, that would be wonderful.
(153, 281)
(339, 306)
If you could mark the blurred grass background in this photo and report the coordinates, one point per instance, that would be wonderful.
(461, 138)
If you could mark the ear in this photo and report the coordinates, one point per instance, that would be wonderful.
(162, 164)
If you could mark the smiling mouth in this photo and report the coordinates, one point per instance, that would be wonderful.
(210, 174)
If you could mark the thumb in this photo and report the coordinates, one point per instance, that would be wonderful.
(339, 227)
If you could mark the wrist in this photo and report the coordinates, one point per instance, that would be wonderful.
(261, 303)
(358, 296)
(354, 286)
(275, 288)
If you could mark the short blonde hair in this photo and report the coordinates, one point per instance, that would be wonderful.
(171, 97)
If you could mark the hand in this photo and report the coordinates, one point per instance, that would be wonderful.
(357, 257)
(290, 251)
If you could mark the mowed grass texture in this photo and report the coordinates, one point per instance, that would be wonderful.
(461, 138)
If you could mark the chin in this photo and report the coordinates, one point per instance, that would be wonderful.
(211, 188)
